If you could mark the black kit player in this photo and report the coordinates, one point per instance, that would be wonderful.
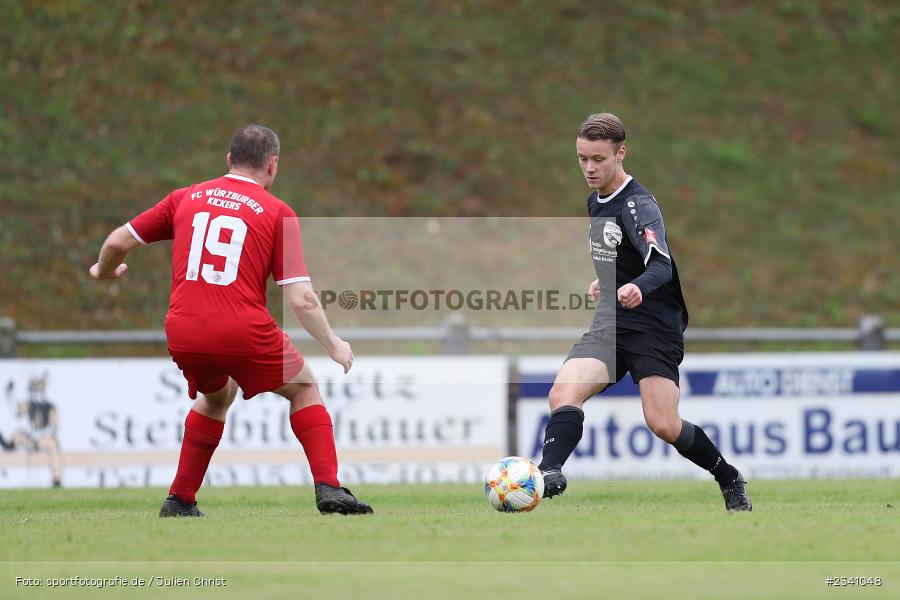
(639, 323)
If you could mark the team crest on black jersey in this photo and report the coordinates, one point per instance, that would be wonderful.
(612, 234)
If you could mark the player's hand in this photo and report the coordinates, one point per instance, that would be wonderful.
(342, 354)
(594, 290)
(120, 270)
(630, 296)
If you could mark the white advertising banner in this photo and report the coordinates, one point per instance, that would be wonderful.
(110, 422)
(773, 416)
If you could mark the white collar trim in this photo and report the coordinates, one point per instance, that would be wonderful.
(242, 178)
(615, 193)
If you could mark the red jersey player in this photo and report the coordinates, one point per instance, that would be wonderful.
(228, 235)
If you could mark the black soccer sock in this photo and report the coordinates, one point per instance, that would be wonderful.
(694, 445)
(561, 436)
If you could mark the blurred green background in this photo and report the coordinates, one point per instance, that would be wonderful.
(766, 130)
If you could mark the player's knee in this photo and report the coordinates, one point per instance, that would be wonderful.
(563, 395)
(223, 400)
(664, 426)
(307, 394)
(232, 391)
(309, 390)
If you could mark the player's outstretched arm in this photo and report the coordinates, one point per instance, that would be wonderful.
(306, 307)
(109, 265)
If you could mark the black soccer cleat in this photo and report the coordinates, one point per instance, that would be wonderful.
(554, 483)
(330, 500)
(735, 494)
(176, 507)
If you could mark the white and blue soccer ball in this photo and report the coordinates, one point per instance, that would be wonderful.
(514, 484)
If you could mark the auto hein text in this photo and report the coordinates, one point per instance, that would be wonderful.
(475, 300)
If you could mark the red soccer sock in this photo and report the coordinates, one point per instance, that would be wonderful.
(201, 437)
(312, 426)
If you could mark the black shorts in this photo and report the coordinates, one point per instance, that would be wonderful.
(636, 352)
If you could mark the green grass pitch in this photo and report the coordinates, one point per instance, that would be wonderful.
(600, 540)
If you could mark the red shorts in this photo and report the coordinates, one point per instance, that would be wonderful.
(254, 373)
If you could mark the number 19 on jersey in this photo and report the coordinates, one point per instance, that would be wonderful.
(231, 250)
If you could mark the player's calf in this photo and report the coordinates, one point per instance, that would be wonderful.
(562, 434)
(693, 444)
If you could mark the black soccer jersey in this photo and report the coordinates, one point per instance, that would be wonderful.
(626, 228)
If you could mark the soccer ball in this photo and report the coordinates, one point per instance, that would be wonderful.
(514, 484)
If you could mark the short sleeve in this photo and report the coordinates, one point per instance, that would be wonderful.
(155, 224)
(288, 265)
(644, 224)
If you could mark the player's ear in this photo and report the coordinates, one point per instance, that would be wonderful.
(620, 153)
(228, 159)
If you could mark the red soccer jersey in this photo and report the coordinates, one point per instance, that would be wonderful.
(229, 235)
